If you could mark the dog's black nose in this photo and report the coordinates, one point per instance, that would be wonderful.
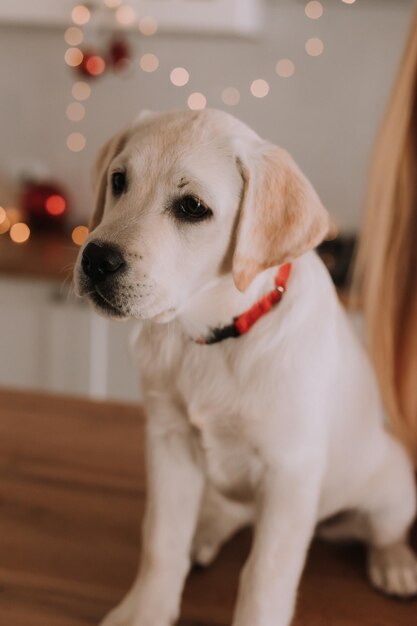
(100, 260)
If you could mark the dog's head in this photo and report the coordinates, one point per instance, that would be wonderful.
(185, 197)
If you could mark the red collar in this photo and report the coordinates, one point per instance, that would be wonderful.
(244, 322)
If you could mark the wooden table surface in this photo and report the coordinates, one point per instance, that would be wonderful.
(71, 500)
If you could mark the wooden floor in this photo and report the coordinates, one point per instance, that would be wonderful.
(71, 499)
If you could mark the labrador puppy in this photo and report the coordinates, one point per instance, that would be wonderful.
(261, 405)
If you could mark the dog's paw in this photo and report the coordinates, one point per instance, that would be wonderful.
(393, 570)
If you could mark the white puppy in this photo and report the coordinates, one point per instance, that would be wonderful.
(281, 426)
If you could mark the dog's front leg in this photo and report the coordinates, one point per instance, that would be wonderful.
(174, 489)
(286, 516)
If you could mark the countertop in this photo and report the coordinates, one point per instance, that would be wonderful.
(71, 501)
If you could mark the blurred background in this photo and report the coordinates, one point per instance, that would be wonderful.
(311, 76)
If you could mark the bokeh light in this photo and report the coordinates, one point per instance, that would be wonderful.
(73, 36)
(259, 88)
(196, 101)
(75, 111)
(231, 96)
(314, 47)
(314, 10)
(80, 14)
(125, 15)
(179, 76)
(76, 142)
(285, 68)
(79, 235)
(95, 65)
(20, 232)
(149, 62)
(148, 25)
(81, 90)
(73, 57)
(55, 205)
(113, 4)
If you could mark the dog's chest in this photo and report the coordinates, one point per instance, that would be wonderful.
(216, 411)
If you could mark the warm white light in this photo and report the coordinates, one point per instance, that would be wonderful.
(81, 90)
(73, 57)
(149, 62)
(125, 15)
(148, 25)
(231, 96)
(80, 15)
(73, 36)
(314, 9)
(285, 68)
(314, 46)
(196, 101)
(75, 112)
(76, 142)
(3, 215)
(179, 76)
(113, 4)
(348, 1)
(259, 88)
(20, 232)
(79, 235)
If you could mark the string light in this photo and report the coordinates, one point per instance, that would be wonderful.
(259, 88)
(75, 112)
(80, 14)
(196, 101)
(314, 10)
(314, 47)
(125, 15)
(148, 25)
(79, 235)
(231, 96)
(285, 68)
(73, 57)
(149, 62)
(20, 232)
(73, 36)
(179, 76)
(81, 90)
(76, 142)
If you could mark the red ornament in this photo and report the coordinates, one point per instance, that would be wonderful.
(44, 205)
(92, 65)
(119, 53)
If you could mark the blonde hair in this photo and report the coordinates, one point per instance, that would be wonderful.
(386, 266)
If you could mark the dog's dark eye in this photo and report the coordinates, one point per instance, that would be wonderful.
(118, 183)
(191, 209)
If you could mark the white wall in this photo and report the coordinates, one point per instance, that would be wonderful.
(326, 114)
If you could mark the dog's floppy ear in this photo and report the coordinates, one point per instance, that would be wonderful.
(105, 156)
(281, 215)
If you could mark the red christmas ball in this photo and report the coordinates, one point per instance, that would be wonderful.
(119, 53)
(44, 204)
(92, 65)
